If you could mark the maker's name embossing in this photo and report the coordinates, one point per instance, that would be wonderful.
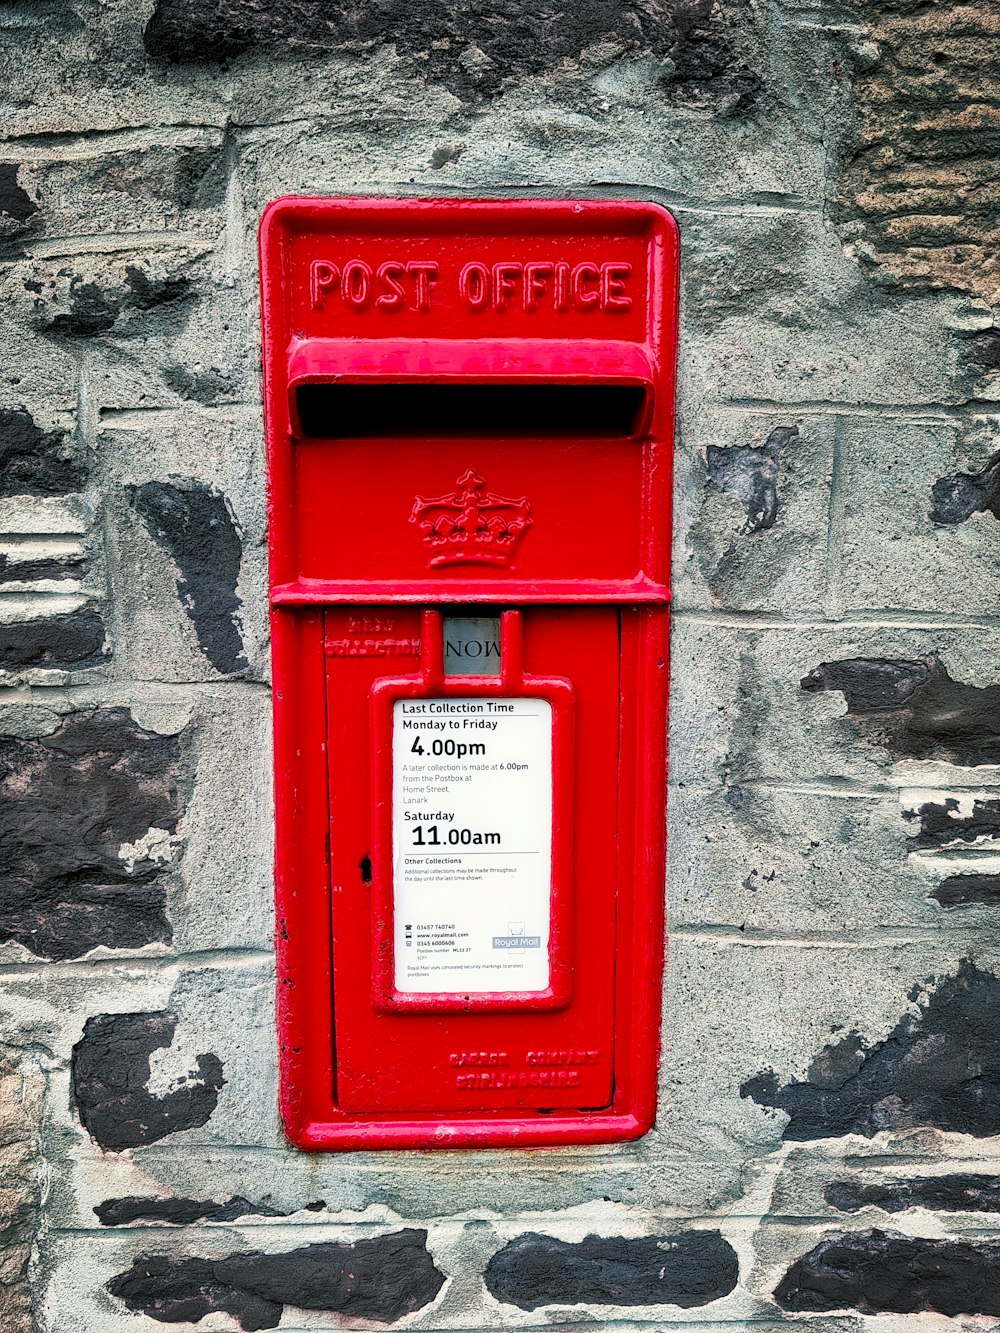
(547, 1069)
(570, 1057)
(359, 641)
(478, 1058)
(520, 1078)
(539, 284)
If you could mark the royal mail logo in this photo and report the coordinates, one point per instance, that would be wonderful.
(516, 938)
(470, 526)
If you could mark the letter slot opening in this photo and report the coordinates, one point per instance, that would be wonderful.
(339, 411)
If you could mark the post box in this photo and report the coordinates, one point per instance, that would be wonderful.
(469, 420)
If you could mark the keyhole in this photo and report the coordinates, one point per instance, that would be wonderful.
(366, 869)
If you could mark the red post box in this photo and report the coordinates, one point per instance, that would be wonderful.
(469, 418)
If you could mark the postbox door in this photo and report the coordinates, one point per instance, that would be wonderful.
(466, 1050)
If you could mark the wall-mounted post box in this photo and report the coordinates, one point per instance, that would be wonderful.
(469, 417)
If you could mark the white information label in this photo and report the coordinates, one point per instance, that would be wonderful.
(472, 844)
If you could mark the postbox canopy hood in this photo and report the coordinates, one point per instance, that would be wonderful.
(428, 387)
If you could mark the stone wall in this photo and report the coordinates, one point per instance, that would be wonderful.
(826, 1145)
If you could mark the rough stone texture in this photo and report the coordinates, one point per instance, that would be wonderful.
(34, 461)
(111, 1068)
(85, 824)
(940, 1067)
(182, 1212)
(689, 1269)
(832, 172)
(20, 1187)
(380, 1279)
(196, 526)
(918, 198)
(880, 1271)
(751, 474)
(74, 640)
(959, 1193)
(474, 51)
(916, 709)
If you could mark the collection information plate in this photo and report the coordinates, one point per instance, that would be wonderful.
(472, 844)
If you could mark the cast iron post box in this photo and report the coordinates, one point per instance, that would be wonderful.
(469, 420)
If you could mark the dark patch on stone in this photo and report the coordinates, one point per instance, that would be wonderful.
(878, 1272)
(184, 1212)
(381, 1279)
(870, 684)
(179, 1212)
(110, 1071)
(967, 890)
(985, 349)
(939, 1067)
(15, 203)
(90, 312)
(148, 293)
(36, 462)
(956, 498)
(475, 51)
(939, 826)
(914, 708)
(194, 523)
(687, 1269)
(93, 311)
(707, 77)
(69, 801)
(751, 475)
(960, 1193)
(200, 177)
(441, 157)
(207, 387)
(24, 571)
(59, 642)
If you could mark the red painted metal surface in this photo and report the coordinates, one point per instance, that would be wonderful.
(469, 410)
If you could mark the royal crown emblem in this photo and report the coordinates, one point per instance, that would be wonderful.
(470, 526)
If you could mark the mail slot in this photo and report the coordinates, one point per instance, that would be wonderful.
(469, 411)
